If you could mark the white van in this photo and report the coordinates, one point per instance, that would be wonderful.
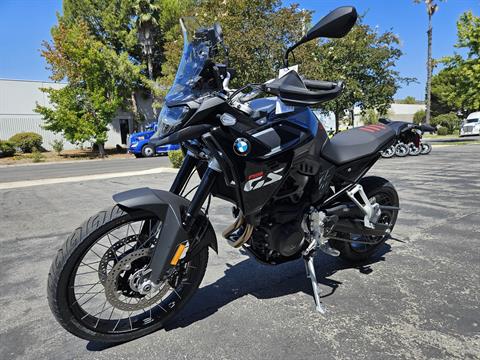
(471, 126)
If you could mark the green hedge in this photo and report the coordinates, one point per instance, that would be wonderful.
(176, 158)
(7, 148)
(27, 141)
(442, 131)
(449, 121)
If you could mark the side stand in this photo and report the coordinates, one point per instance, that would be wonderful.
(310, 269)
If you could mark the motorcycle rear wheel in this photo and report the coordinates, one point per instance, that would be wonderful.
(385, 194)
(91, 283)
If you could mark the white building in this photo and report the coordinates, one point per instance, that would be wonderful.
(397, 112)
(18, 98)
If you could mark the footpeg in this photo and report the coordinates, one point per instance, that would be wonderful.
(327, 249)
(310, 269)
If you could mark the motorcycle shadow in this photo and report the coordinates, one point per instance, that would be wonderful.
(249, 277)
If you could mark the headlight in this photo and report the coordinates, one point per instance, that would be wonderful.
(169, 118)
(134, 144)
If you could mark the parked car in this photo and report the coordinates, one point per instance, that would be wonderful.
(471, 126)
(138, 143)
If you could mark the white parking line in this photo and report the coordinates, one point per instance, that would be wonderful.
(28, 183)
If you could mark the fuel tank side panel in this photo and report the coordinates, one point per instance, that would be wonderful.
(272, 148)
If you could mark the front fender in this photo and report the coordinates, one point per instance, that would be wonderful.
(169, 208)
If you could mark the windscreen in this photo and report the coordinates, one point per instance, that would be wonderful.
(195, 54)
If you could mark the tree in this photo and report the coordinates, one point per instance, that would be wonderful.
(408, 100)
(370, 117)
(432, 7)
(457, 85)
(257, 33)
(419, 117)
(99, 82)
(364, 60)
(139, 28)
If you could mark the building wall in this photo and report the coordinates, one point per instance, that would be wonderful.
(18, 98)
(397, 112)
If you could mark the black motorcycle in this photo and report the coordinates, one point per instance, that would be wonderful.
(127, 270)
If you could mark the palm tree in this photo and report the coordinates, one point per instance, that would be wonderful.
(147, 12)
(431, 9)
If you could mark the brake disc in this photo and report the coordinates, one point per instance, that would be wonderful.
(120, 288)
(111, 255)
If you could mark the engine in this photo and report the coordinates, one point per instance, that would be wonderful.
(279, 237)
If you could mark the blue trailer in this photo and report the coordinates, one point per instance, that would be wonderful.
(138, 143)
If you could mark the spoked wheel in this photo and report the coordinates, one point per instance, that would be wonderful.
(362, 247)
(389, 152)
(402, 150)
(426, 148)
(414, 150)
(93, 285)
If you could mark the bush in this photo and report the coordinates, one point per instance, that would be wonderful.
(442, 131)
(370, 117)
(37, 156)
(419, 117)
(27, 141)
(57, 146)
(7, 148)
(450, 121)
(176, 158)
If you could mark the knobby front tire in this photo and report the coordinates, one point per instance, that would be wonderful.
(72, 308)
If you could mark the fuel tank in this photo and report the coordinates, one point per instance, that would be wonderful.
(261, 157)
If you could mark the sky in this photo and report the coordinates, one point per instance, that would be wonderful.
(24, 24)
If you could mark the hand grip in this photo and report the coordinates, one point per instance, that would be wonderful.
(319, 84)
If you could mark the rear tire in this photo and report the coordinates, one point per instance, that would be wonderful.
(381, 189)
(70, 311)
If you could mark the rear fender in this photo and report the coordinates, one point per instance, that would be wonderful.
(169, 208)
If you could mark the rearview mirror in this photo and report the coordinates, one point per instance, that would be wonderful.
(336, 24)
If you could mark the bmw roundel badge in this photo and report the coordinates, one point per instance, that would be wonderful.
(241, 146)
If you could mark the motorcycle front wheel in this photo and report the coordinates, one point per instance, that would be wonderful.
(93, 281)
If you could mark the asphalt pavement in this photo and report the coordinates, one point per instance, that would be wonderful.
(417, 299)
(9, 173)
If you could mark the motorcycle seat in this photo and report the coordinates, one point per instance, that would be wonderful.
(357, 143)
(398, 126)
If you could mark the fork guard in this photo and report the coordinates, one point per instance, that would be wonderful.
(169, 207)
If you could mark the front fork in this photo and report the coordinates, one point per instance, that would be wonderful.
(203, 190)
(160, 261)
